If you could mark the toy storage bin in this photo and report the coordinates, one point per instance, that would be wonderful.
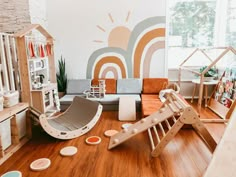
(21, 123)
(10, 99)
(5, 132)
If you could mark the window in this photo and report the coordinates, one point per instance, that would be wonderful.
(199, 24)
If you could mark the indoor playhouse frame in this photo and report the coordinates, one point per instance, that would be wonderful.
(226, 113)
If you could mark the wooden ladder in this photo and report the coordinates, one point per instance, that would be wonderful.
(164, 124)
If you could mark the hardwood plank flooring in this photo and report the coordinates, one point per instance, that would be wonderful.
(185, 156)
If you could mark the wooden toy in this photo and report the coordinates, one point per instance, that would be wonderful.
(40, 164)
(68, 151)
(78, 119)
(93, 140)
(12, 174)
(96, 91)
(124, 113)
(174, 114)
(110, 133)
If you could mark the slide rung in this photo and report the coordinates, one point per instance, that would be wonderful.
(174, 119)
(162, 129)
(168, 124)
(156, 133)
(172, 108)
(151, 139)
(178, 106)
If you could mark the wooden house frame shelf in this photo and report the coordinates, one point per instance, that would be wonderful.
(216, 107)
(35, 97)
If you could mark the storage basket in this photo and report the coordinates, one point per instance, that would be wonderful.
(21, 123)
(5, 132)
(10, 99)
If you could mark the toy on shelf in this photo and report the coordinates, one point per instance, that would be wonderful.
(96, 91)
(174, 114)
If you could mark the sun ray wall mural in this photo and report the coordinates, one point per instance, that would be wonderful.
(130, 52)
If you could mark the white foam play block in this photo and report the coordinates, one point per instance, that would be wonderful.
(127, 108)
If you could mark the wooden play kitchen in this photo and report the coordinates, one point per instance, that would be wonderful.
(36, 63)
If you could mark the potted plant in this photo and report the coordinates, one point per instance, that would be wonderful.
(61, 77)
(210, 74)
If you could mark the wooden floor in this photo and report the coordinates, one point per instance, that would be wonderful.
(185, 156)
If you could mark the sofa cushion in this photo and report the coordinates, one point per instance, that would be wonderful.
(154, 85)
(110, 85)
(129, 86)
(78, 86)
(147, 97)
(150, 106)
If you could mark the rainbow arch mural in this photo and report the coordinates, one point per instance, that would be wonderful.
(145, 39)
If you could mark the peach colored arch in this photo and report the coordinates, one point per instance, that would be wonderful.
(109, 59)
(147, 60)
(160, 32)
(110, 69)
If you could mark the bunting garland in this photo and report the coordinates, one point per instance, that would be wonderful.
(35, 49)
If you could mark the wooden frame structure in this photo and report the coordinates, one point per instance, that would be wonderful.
(9, 80)
(174, 114)
(36, 97)
(15, 125)
(201, 75)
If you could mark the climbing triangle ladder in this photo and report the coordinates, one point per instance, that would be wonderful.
(164, 124)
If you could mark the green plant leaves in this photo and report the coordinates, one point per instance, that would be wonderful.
(212, 72)
(61, 76)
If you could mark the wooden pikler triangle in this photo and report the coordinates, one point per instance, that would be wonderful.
(164, 124)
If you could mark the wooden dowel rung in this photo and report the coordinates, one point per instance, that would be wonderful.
(174, 119)
(162, 129)
(151, 139)
(178, 105)
(173, 108)
(180, 101)
(156, 133)
(168, 124)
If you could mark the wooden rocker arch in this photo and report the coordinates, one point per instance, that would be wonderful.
(78, 119)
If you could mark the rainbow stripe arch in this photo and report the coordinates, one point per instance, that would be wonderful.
(147, 38)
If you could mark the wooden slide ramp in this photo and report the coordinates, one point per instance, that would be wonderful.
(164, 124)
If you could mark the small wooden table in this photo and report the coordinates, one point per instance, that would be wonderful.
(205, 85)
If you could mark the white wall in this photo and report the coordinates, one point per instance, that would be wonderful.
(38, 15)
(74, 26)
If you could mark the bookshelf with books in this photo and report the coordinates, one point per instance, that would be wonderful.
(223, 99)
